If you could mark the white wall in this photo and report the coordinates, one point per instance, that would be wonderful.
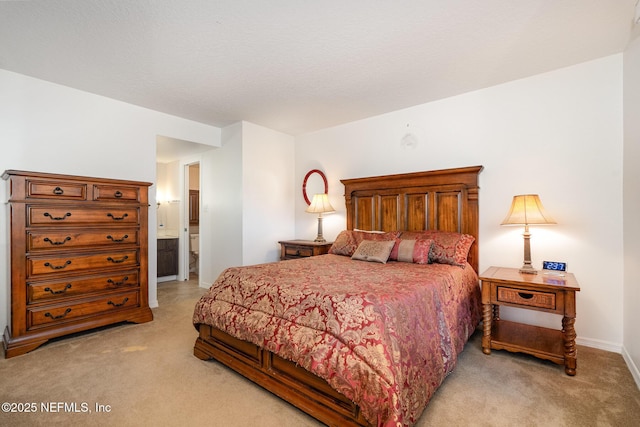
(268, 192)
(221, 206)
(631, 350)
(51, 128)
(169, 194)
(557, 134)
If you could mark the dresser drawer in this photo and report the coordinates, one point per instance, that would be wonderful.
(53, 189)
(73, 287)
(546, 300)
(39, 266)
(115, 192)
(61, 313)
(50, 239)
(63, 216)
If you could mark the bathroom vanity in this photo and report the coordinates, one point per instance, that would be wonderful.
(167, 256)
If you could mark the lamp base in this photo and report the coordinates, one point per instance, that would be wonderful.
(528, 269)
(320, 237)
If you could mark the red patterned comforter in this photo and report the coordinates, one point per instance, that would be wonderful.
(383, 335)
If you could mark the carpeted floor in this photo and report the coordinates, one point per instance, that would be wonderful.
(146, 375)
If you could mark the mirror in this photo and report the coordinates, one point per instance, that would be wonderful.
(314, 182)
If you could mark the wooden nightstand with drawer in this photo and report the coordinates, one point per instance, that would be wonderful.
(541, 292)
(293, 249)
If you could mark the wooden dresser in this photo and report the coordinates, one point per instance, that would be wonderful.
(78, 250)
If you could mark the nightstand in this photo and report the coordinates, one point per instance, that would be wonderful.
(293, 249)
(540, 292)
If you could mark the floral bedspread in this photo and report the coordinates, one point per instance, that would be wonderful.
(383, 335)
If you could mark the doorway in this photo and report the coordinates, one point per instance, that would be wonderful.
(191, 255)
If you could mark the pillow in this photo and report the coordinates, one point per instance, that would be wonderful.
(448, 247)
(416, 251)
(348, 240)
(374, 250)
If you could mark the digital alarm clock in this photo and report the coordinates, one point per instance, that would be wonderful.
(554, 267)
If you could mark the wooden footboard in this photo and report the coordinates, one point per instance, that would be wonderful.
(281, 377)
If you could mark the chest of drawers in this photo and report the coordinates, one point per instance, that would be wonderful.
(78, 251)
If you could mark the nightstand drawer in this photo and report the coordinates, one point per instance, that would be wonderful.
(293, 249)
(527, 297)
(298, 251)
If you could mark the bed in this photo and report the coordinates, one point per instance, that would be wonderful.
(355, 341)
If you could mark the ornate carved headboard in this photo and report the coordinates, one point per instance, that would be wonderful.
(434, 200)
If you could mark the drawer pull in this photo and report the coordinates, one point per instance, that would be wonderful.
(58, 191)
(118, 218)
(124, 301)
(124, 280)
(118, 261)
(118, 194)
(524, 295)
(67, 287)
(57, 218)
(60, 316)
(57, 267)
(46, 239)
(126, 236)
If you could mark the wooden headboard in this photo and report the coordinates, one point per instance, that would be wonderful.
(434, 200)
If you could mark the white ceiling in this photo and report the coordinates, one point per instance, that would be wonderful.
(300, 65)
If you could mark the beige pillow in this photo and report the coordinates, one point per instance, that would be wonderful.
(374, 250)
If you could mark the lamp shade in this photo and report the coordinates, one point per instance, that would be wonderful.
(320, 204)
(527, 209)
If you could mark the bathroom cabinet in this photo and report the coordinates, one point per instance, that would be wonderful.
(194, 207)
(167, 257)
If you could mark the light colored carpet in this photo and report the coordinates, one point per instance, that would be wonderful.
(146, 375)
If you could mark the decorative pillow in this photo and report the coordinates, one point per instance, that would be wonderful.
(448, 247)
(348, 240)
(416, 251)
(374, 250)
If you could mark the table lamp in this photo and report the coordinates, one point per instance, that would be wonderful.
(527, 209)
(320, 204)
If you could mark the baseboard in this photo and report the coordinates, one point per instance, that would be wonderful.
(632, 366)
(602, 345)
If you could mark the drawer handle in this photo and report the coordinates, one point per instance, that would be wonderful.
(60, 316)
(124, 280)
(57, 218)
(118, 261)
(58, 191)
(118, 218)
(124, 301)
(57, 267)
(126, 236)
(524, 295)
(118, 194)
(46, 239)
(67, 287)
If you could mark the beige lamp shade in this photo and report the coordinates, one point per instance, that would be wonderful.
(320, 204)
(527, 209)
